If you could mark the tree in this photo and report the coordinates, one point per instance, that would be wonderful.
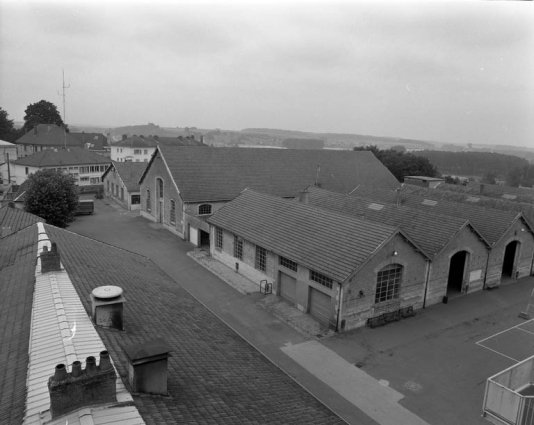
(514, 177)
(42, 112)
(52, 195)
(402, 164)
(490, 178)
(8, 132)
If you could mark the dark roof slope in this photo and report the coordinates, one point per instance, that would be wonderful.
(15, 220)
(48, 135)
(62, 157)
(97, 140)
(327, 242)
(214, 376)
(220, 174)
(129, 172)
(432, 232)
(136, 142)
(491, 223)
(18, 254)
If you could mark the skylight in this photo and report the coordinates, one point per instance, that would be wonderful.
(376, 207)
(430, 202)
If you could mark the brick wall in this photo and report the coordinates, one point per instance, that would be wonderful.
(156, 170)
(468, 241)
(518, 232)
(357, 308)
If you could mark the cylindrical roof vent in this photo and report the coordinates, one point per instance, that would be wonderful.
(107, 307)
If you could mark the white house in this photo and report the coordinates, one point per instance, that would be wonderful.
(133, 149)
(8, 152)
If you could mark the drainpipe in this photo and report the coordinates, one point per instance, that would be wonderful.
(428, 265)
(339, 307)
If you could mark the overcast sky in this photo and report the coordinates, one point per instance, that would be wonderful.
(444, 71)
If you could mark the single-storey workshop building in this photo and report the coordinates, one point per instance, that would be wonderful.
(183, 186)
(343, 271)
(510, 235)
(458, 252)
(121, 183)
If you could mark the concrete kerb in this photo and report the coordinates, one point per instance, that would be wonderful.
(301, 322)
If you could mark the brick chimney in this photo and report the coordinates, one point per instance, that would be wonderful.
(304, 196)
(50, 259)
(82, 388)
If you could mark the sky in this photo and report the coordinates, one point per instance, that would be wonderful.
(455, 71)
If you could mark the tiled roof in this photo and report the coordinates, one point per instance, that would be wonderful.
(48, 135)
(13, 219)
(491, 223)
(432, 232)
(136, 142)
(330, 243)
(97, 140)
(18, 254)
(220, 174)
(214, 376)
(61, 158)
(129, 172)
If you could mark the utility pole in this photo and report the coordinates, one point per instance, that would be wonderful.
(64, 115)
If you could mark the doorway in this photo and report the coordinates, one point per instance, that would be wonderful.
(457, 273)
(204, 239)
(508, 264)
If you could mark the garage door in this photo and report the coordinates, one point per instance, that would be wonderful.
(288, 287)
(193, 235)
(320, 306)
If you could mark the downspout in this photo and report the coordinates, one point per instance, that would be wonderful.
(339, 307)
(428, 265)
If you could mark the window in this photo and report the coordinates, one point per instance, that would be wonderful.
(137, 151)
(321, 279)
(388, 283)
(27, 170)
(173, 212)
(84, 179)
(84, 170)
(122, 194)
(108, 186)
(238, 247)
(218, 238)
(136, 199)
(261, 259)
(95, 180)
(146, 152)
(159, 188)
(204, 209)
(291, 265)
(148, 208)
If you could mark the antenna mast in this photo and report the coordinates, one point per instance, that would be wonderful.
(64, 114)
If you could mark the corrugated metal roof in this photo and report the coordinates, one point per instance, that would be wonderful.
(330, 243)
(432, 232)
(220, 174)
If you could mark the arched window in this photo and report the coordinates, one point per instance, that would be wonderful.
(204, 209)
(173, 211)
(148, 202)
(159, 188)
(388, 283)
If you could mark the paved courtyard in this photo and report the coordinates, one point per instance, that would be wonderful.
(433, 366)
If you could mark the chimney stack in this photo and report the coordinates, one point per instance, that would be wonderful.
(304, 196)
(82, 388)
(107, 307)
(50, 260)
(147, 371)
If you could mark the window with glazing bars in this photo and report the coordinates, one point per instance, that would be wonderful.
(148, 202)
(159, 185)
(238, 247)
(218, 238)
(204, 209)
(261, 258)
(173, 212)
(291, 265)
(388, 283)
(321, 279)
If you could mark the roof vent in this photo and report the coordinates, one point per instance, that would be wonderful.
(430, 202)
(304, 196)
(107, 307)
(147, 372)
(81, 388)
(376, 207)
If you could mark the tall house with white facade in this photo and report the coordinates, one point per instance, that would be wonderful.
(133, 149)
